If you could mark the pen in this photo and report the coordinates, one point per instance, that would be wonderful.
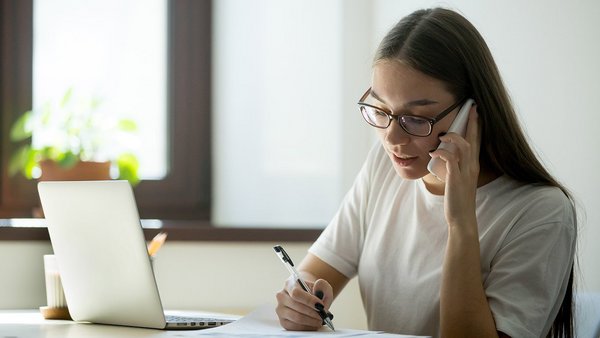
(287, 261)
(156, 243)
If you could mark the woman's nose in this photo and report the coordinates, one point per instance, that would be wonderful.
(396, 135)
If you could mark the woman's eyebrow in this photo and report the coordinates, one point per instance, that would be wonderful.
(414, 103)
(420, 102)
(377, 97)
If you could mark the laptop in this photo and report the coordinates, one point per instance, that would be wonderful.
(102, 256)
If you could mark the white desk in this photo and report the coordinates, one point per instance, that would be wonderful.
(31, 324)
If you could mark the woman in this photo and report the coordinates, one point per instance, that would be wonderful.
(488, 250)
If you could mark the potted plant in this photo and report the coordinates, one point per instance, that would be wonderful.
(73, 140)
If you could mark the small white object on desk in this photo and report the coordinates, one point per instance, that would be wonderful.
(55, 296)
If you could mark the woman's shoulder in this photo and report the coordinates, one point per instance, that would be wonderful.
(534, 203)
(514, 189)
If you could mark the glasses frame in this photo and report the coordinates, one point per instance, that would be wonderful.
(397, 117)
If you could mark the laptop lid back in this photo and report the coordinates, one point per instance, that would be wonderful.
(101, 252)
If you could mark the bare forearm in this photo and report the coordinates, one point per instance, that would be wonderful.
(464, 310)
(313, 268)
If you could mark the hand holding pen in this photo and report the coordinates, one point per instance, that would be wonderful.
(325, 316)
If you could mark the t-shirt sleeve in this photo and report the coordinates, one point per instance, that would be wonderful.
(340, 244)
(530, 272)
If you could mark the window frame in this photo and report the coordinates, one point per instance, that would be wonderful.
(185, 193)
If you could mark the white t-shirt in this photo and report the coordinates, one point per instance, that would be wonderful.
(392, 233)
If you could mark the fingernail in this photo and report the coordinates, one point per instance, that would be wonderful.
(330, 315)
(319, 306)
(319, 294)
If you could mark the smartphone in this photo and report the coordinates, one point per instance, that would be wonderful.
(437, 166)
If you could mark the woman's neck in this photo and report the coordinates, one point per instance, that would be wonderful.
(438, 187)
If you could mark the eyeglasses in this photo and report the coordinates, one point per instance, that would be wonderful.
(414, 125)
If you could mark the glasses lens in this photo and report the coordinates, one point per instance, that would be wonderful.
(415, 125)
(375, 117)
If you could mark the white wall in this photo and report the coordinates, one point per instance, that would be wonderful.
(22, 269)
(286, 127)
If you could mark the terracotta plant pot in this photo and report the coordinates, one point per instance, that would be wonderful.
(82, 171)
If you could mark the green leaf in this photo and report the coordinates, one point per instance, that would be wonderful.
(20, 130)
(128, 168)
(94, 103)
(66, 97)
(127, 125)
(68, 160)
(24, 160)
(46, 114)
(51, 153)
(30, 164)
(18, 160)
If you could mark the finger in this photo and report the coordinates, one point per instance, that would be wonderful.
(292, 320)
(296, 291)
(323, 288)
(454, 144)
(287, 316)
(473, 135)
(292, 283)
(293, 326)
(455, 139)
(450, 158)
(473, 138)
(309, 301)
(447, 155)
(461, 150)
(299, 300)
(294, 310)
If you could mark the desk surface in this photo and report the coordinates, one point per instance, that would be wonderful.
(31, 324)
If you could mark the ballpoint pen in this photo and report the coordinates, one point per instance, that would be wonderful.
(287, 261)
(156, 243)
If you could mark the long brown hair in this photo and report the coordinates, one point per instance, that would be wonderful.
(443, 44)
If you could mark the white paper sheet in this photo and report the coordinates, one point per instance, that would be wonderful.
(263, 323)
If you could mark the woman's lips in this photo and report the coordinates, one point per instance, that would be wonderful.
(404, 161)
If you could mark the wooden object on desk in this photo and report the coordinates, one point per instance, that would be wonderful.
(55, 312)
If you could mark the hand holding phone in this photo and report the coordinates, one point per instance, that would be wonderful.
(436, 165)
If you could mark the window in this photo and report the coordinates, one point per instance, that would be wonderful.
(116, 55)
(184, 193)
(289, 184)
